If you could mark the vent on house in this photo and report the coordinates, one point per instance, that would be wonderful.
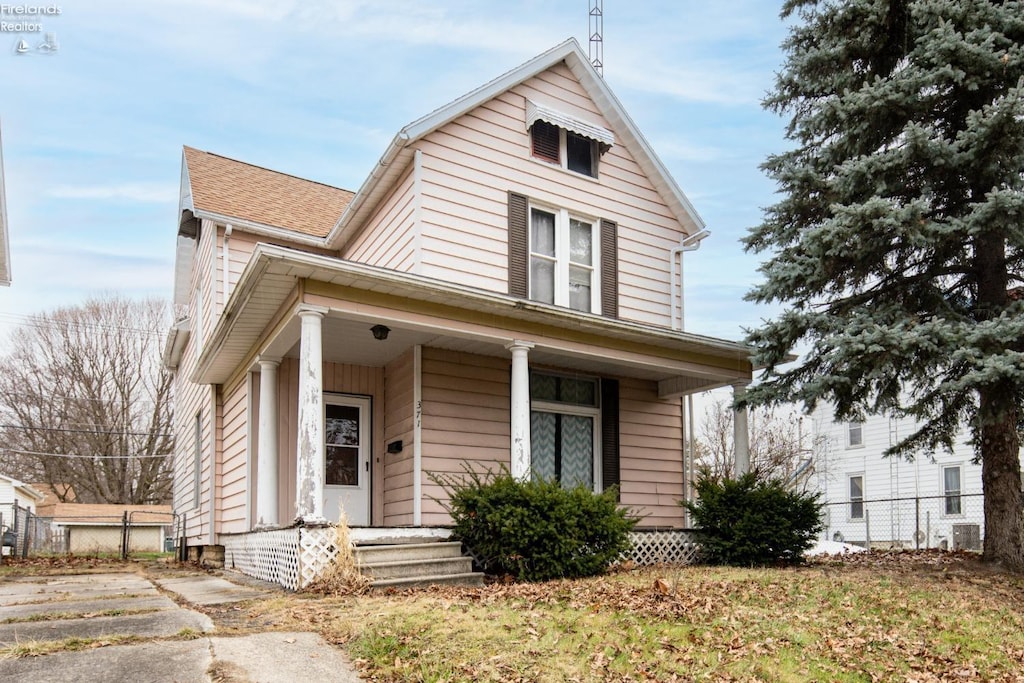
(966, 537)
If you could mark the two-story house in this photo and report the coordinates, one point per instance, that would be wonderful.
(932, 501)
(502, 290)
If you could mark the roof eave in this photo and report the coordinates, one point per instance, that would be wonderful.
(264, 256)
(262, 229)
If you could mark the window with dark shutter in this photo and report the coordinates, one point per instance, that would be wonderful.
(544, 141)
(610, 433)
(609, 269)
(518, 246)
(584, 282)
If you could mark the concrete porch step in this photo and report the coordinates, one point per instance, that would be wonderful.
(464, 579)
(376, 554)
(408, 564)
(411, 568)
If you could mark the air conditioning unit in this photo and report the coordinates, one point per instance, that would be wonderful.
(966, 537)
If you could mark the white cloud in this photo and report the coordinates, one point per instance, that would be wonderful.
(136, 192)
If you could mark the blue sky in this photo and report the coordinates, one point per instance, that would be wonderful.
(93, 131)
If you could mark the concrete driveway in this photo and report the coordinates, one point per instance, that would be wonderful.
(118, 627)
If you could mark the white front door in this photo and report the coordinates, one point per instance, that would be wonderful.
(347, 453)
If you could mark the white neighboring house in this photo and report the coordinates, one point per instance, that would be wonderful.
(5, 250)
(13, 491)
(933, 502)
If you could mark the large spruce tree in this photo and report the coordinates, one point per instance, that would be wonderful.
(896, 247)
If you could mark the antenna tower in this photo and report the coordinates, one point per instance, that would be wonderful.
(597, 35)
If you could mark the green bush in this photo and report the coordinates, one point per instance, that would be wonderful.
(536, 530)
(753, 521)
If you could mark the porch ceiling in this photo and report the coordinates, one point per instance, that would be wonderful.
(259, 320)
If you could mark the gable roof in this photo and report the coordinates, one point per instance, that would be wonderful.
(5, 249)
(105, 514)
(222, 189)
(398, 154)
(24, 488)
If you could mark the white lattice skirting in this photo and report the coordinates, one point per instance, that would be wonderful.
(291, 557)
(667, 546)
(295, 557)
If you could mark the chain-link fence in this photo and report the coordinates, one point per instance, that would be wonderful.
(949, 522)
(27, 534)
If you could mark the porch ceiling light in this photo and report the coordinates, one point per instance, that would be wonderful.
(380, 332)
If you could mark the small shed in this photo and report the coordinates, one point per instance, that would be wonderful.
(98, 528)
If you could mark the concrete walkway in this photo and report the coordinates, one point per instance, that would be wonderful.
(179, 644)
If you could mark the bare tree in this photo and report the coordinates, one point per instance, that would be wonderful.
(85, 404)
(778, 445)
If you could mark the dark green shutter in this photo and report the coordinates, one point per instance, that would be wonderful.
(518, 246)
(609, 269)
(609, 432)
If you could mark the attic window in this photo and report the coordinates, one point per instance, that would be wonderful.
(565, 140)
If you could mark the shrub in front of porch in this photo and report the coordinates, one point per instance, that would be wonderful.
(751, 520)
(535, 530)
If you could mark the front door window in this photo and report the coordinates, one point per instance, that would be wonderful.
(347, 458)
(342, 428)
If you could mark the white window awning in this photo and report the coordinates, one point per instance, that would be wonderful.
(538, 112)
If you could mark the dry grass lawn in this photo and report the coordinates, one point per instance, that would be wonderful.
(873, 617)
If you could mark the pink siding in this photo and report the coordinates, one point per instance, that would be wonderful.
(398, 425)
(465, 419)
(232, 516)
(650, 453)
(390, 241)
(338, 378)
(470, 165)
(191, 399)
(241, 244)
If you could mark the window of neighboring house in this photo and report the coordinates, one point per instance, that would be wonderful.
(570, 150)
(563, 259)
(198, 461)
(857, 496)
(855, 434)
(565, 430)
(951, 489)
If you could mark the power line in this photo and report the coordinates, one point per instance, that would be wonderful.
(78, 431)
(41, 321)
(91, 457)
(25, 394)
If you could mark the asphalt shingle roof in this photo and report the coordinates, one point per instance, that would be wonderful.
(234, 188)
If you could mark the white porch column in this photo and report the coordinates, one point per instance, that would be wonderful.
(740, 433)
(520, 419)
(309, 499)
(267, 449)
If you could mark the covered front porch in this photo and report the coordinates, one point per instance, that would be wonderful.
(345, 387)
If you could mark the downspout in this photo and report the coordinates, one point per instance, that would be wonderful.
(226, 266)
(688, 243)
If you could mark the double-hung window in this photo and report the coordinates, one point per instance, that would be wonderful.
(564, 259)
(857, 496)
(951, 489)
(197, 459)
(855, 435)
